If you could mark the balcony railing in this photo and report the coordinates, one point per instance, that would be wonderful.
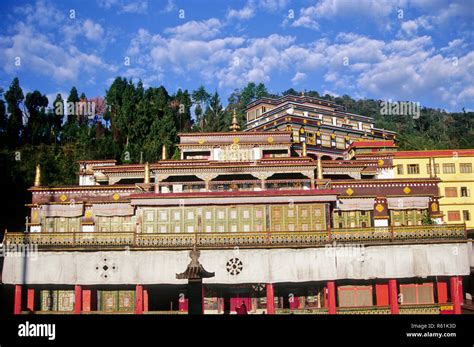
(243, 185)
(215, 240)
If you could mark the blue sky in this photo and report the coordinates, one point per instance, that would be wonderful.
(420, 51)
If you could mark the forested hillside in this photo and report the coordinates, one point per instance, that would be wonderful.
(131, 123)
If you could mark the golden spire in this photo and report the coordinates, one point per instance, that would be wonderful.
(320, 168)
(235, 125)
(302, 93)
(38, 176)
(163, 152)
(147, 173)
(305, 152)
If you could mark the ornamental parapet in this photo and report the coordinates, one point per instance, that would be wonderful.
(216, 240)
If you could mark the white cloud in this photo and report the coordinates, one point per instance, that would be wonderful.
(194, 29)
(246, 12)
(298, 77)
(32, 41)
(170, 7)
(123, 6)
(138, 7)
(93, 31)
(309, 17)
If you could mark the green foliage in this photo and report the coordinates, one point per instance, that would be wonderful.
(426, 219)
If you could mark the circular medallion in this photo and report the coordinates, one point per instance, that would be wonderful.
(234, 266)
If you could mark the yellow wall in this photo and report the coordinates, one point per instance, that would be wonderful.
(449, 180)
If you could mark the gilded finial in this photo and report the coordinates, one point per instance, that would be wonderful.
(302, 93)
(163, 152)
(147, 173)
(305, 152)
(320, 168)
(38, 176)
(235, 125)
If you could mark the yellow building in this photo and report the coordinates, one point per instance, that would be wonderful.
(455, 168)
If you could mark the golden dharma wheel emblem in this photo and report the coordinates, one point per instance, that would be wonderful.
(201, 141)
(379, 208)
(63, 198)
(235, 140)
(380, 162)
(88, 214)
(270, 139)
(116, 196)
(349, 191)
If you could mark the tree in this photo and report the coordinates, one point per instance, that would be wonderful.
(200, 98)
(214, 115)
(36, 129)
(14, 97)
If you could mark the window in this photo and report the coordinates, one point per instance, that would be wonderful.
(464, 192)
(428, 170)
(177, 215)
(413, 169)
(465, 167)
(355, 296)
(454, 216)
(416, 293)
(451, 192)
(449, 168)
(466, 215)
(340, 142)
(400, 169)
(326, 140)
(163, 215)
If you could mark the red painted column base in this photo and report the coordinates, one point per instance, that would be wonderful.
(270, 299)
(393, 296)
(17, 302)
(456, 288)
(139, 299)
(331, 285)
(77, 299)
(30, 302)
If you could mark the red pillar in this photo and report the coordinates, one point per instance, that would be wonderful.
(145, 300)
(270, 299)
(77, 299)
(331, 297)
(17, 303)
(30, 302)
(455, 283)
(139, 299)
(393, 296)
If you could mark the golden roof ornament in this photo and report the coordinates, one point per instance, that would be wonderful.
(163, 152)
(235, 125)
(147, 173)
(38, 176)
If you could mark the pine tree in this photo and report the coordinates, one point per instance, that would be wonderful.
(14, 97)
